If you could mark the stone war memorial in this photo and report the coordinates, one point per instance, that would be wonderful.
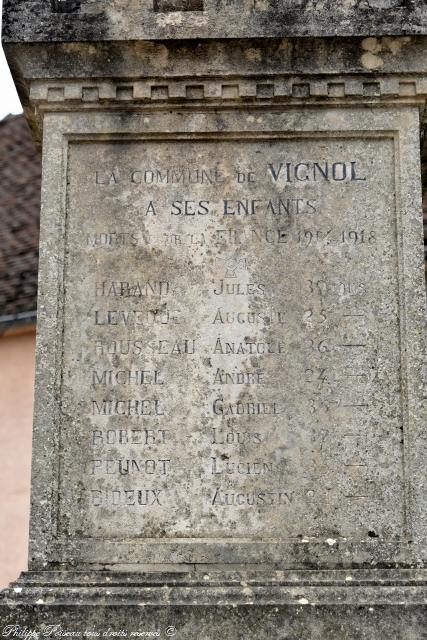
(230, 426)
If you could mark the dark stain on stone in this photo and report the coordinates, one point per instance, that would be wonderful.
(65, 6)
(164, 6)
(57, 20)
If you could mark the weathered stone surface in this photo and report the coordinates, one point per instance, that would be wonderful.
(231, 622)
(71, 20)
(311, 57)
(348, 605)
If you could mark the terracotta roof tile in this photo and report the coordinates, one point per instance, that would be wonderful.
(20, 176)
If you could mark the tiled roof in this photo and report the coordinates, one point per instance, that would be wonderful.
(20, 175)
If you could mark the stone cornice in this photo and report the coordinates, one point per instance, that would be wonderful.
(260, 90)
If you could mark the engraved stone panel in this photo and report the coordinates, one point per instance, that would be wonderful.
(231, 343)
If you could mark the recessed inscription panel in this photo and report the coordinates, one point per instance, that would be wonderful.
(231, 340)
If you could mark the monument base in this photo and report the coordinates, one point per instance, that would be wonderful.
(291, 605)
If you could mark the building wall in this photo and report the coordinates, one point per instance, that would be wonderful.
(16, 402)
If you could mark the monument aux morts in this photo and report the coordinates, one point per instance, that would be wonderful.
(230, 430)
